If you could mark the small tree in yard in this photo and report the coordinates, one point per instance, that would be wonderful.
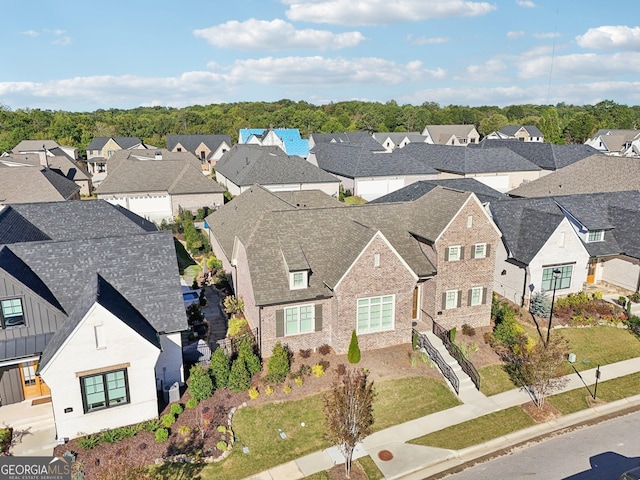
(541, 368)
(279, 366)
(348, 409)
(219, 368)
(233, 305)
(353, 355)
(540, 304)
(194, 314)
(200, 384)
(239, 377)
(247, 353)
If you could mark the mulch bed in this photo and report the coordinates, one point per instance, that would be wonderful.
(540, 415)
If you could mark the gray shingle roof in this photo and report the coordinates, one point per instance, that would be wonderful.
(191, 142)
(547, 156)
(246, 165)
(34, 184)
(361, 139)
(418, 189)
(278, 236)
(532, 130)
(442, 133)
(34, 145)
(15, 228)
(597, 173)
(124, 142)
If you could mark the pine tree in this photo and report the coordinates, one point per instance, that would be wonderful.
(279, 366)
(239, 378)
(200, 384)
(247, 353)
(540, 304)
(353, 355)
(219, 368)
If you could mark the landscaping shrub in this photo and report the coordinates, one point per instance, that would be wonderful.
(634, 324)
(151, 425)
(279, 364)
(221, 429)
(222, 445)
(318, 370)
(468, 330)
(200, 383)
(184, 430)
(167, 420)
(88, 442)
(219, 368)
(305, 353)
(176, 409)
(253, 393)
(233, 304)
(324, 349)
(162, 435)
(236, 326)
(540, 305)
(341, 369)
(452, 334)
(268, 390)
(192, 403)
(194, 314)
(202, 300)
(353, 355)
(110, 436)
(5, 440)
(239, 377)
(248, 355)
(287, 389)
(299, 381)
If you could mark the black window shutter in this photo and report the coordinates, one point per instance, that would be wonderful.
(461, 253)
(473, 252)
(446, 254)
(444, 301)
(488, 251)
(280, 323)
(459, 298)
(484, 295)
(469, 297)
(318, 317)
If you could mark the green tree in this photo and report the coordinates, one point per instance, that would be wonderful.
(247, 353)
(348, 409)
(200, 384)
(219, 368)
(549, 125)
(279, 365)
(239, 377)
(581, 126)
(492, 124)
(353, 355)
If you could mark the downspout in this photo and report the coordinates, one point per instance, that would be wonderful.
(524, 286)
(260, 331)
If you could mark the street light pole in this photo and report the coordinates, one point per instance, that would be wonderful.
(556, 275)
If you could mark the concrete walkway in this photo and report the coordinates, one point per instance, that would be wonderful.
(418, 462)
(34, 432)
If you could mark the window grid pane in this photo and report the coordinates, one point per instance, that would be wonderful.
(476, 296)
(452, 299)
(306, 319)
(480, 250)
(564, 281)
(116, 390)
(291, 321)
(375, 314)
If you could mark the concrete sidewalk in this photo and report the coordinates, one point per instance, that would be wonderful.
(418, 462)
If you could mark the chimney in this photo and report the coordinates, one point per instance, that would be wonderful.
(43, 157)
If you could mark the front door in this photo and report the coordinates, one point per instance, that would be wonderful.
(591, 273)
(32, 384)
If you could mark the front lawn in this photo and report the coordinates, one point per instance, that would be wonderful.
(494, 379)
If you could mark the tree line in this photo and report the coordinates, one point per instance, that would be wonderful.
(559, 123)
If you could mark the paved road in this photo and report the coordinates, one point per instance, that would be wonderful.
(598, 452)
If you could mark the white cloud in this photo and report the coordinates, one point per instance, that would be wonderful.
(62, 41)
(589, 65)
(515, 34)
(526, 4)
(381, 12)
(491, 70)
(426, 40)
(30, 33)
(610, 37)
(317, 70)
(547, 35)
(277, 34)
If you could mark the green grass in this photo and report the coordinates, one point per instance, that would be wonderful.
(478, 430)
(609, 391)
(494, 380)
(370, 468)
(600, 345)
(184, 259)
(354, 200)
(400, 400)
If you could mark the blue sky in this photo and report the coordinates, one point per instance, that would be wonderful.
(85, 55)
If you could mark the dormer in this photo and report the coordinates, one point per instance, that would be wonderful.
(297, 266)
(298, 279)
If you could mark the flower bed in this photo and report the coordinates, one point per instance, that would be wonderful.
(581, 309)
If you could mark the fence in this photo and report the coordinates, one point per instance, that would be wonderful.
(467, 367)
(445, 368)
(200, 351)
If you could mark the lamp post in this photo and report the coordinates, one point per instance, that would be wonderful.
(556, 275)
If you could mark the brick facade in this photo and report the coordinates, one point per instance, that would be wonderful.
(195, 201)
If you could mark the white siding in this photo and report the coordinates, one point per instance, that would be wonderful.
(79, 354)
(512, 283)
(621, 272)
(169, 367)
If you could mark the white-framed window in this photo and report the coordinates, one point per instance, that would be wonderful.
(104, 390)
(298, 319)
(595, 236)
(11, 313)
(451, 299)
(376, 260)
(563, 280)
(297, 280)
(454, 253)
(480, 250)
(376, 314)
(476, 296)
(470, 221)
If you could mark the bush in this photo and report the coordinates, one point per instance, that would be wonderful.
(162, 435)
(253, 393)
(468, 330)
(268, 390)
(318, 370)
(305, 353)
(200, 383)
(88, 442)
(222, 445)
(239, 378)
(324, 349)
(248, 355)
(341, 369)
(194, 314)
(233, 304)
(299, 381)
(353, 355)
(287, 389)
(452, 334)
(219, 368)
(236, 326)
(167, 420)
(184, 430)
(192, 403)
(221, 429)
(279, 366)
(176, 409)
(110, 436)
(151, 425)
(540, 305)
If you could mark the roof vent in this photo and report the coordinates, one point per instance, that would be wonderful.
(158, 155)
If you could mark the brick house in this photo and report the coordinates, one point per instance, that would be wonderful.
(311, 271)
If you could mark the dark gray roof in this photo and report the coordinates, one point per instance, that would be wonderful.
(597, 173)
(124, 142)
(145, 224)
(24, 346)
(418, 189)
(353, 161)
(361, 139)
(191, 142)
(279, 236)
(547, 156)
(15, 228)
(77, 219)
(526, 225)
(532, 130)
(98, 290)
(246, 165)
(449, 158)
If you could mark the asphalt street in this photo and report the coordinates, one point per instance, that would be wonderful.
(597, 452)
